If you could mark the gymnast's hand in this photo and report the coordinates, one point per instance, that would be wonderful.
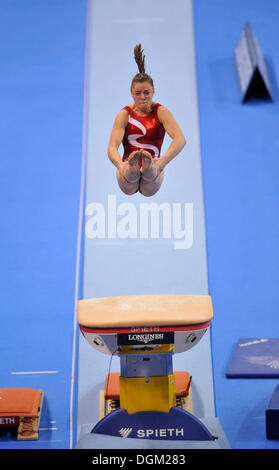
(122, 168)
(160, 164)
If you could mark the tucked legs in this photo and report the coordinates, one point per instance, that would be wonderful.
(140, 173)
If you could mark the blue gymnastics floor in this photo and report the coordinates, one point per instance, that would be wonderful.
(228, 170)
(240, 148)
(42, 80)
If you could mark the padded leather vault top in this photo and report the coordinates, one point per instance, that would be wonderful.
(145, 310)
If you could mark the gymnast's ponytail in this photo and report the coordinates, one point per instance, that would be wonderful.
(141, 76)
(139, 58)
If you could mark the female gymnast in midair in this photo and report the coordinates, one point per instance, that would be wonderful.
(141, 128)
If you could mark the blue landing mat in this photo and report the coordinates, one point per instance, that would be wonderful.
(255, 357)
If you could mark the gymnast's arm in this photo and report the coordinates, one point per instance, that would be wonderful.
(116, 137)
(175, 133)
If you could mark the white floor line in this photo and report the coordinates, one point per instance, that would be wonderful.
(36, 372)
(47, 429)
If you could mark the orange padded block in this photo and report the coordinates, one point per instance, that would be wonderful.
(19, 401)
(182, 383)
(112, 386)
(21, 408)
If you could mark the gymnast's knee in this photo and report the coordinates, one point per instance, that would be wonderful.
(125, 186)
(148, 192)
(148, 189)
(128, 189)
(129, 192)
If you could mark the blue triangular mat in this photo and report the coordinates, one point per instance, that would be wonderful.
(255, 357)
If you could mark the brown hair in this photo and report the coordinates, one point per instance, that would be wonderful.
(141, 76)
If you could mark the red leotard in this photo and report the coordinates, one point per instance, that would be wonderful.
(143, 132)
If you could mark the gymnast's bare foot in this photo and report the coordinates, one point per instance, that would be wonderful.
(148, 169)
(133, 167)
(134, 161)
(146, 160)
